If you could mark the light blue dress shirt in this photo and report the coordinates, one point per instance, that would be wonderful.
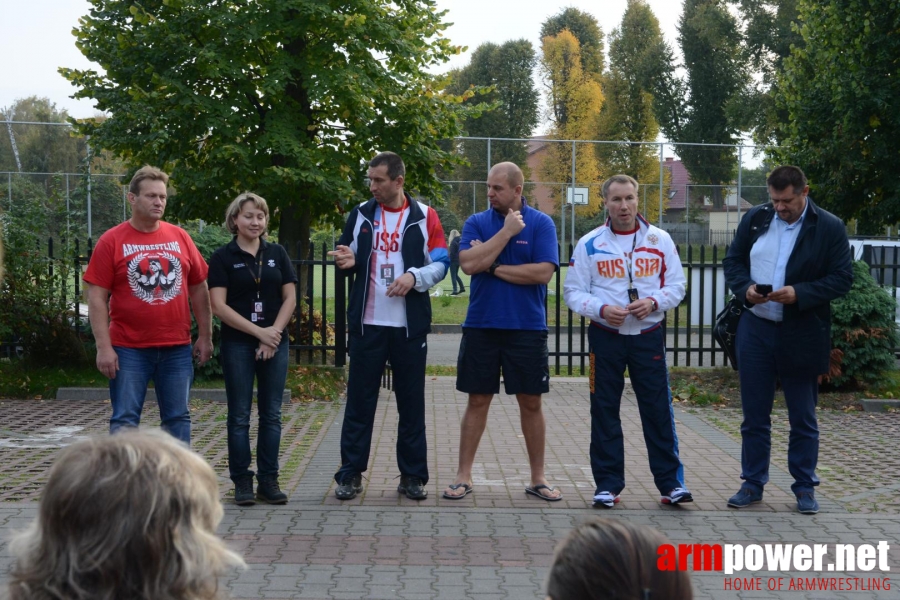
(769, 258)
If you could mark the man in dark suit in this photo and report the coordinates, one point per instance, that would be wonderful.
(788, 261)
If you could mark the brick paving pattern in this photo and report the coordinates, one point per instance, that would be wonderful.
(497, 542)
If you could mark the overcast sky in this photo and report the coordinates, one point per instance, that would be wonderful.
(36, 37)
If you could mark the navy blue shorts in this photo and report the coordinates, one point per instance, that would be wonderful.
(521, 355)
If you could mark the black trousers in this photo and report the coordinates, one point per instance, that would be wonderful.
(368, 354)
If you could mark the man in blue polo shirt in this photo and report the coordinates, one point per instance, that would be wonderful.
(510, 251)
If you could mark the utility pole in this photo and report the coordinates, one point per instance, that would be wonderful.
(12, 142)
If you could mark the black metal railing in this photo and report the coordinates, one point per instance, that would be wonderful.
(319, 331)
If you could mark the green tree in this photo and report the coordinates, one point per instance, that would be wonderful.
(842, 95)
(588, 33)
(35, 310)
(639, 52)
(716, 79)
(753, 184)
(635, 56)
(42, 148)
(288, 98)
(504, 74)
(769, 33)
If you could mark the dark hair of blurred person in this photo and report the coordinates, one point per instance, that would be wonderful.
(610, 559)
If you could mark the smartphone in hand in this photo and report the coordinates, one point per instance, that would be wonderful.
(764, 289)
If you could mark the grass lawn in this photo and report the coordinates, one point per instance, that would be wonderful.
(715, 387)
(16, 381)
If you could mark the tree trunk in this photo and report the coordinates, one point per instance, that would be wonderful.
(293, 234)
(718, 201)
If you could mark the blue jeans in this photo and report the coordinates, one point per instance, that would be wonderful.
(172, 372)
(240, 366)
(759, 350)
(454, 277)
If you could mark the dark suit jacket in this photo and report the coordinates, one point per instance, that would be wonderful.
(820, 271)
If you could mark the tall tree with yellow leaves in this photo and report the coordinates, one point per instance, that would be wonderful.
(576, 99)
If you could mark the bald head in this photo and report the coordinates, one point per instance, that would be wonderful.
(511, 171)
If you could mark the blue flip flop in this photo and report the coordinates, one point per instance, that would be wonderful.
(455, 487)
(536, 491)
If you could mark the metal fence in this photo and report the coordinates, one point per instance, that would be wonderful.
(319, 331)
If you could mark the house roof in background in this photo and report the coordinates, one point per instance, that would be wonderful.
(678, 184)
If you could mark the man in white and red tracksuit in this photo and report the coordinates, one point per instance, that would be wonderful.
(395, 246)
(623, 277)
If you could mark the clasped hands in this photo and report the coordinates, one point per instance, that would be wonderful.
(639, 309)
(269, 340)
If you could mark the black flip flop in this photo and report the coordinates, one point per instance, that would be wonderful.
(536, 491)
(455, 487)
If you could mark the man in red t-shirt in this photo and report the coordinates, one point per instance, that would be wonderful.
(141, 275)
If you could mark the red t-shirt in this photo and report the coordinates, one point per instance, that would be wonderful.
(147, 275)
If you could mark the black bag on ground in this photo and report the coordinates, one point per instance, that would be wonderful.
(725, 329)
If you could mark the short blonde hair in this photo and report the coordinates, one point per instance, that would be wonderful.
(622, 179)
(237, 205)
(132, 515)
(144, 173)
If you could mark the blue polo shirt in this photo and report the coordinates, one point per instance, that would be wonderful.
(497, 304)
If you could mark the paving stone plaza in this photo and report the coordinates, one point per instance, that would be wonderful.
(497, 542)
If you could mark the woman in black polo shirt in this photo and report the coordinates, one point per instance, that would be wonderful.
(251, 288)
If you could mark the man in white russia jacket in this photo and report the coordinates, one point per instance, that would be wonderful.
(623, 277)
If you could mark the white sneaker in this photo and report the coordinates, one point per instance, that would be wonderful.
(606, 499)
(677, 496)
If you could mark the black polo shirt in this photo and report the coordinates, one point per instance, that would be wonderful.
(233, 268)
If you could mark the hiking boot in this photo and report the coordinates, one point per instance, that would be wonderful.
(268, 491)
(744, 498)
(243, 491)
(677, 496)
(349, 488)
(806, 503)
(413, 487)
(605, 499)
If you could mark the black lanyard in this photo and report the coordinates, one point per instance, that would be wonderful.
(257, 276)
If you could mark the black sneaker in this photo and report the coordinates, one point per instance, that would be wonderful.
(349, 488)
(268, 491)
(243, 492)
(413, 487)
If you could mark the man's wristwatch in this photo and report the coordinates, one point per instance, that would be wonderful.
(653, 305)
(494, 267)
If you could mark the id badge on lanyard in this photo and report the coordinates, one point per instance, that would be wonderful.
(258, 313)
(386, 271)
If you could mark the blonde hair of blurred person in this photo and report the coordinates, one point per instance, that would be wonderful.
(610, 559)
(132, 515)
